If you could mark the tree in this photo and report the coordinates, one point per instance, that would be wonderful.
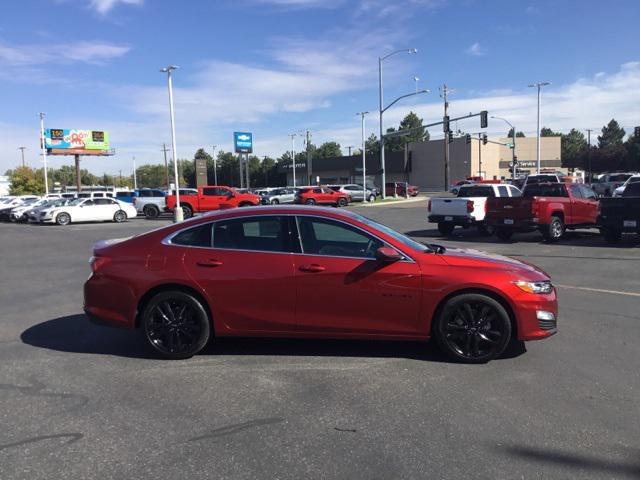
(328, 149)
(414, 123)
(150, 176)
(372, 145)
(25, 181)
(574, 148)
(547, 132)
(611, 134)
(518, 135)
(393, 144)
(632, 146)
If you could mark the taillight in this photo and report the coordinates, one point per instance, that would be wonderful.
(534, 207)
(97, 263)
(429, 206)
(469, 206)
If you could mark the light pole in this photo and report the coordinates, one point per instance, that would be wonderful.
(135, 176)
(416, 80)
(215, 166)
(382, 110)
(513, 149)
(44, 154)
(22, 149)
(178, 214)
(364, 163)
(293, 156)
(538, 85)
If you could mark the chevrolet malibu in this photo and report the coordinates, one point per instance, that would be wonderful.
(294, 271)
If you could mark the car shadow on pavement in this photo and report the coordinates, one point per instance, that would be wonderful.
(75, 334)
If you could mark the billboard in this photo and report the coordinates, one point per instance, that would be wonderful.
(65, 139)
(243, 142)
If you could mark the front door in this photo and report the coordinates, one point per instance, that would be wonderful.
(245, 266)
(342, 289)
(212, 197)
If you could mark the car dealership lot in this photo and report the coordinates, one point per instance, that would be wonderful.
(82, 401)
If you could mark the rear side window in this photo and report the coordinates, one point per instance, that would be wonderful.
(124, 194)
(476, 191)
(103, 201)
(632, 190)
(541, 179)
(545, 190)
(199, 236)
(264, 233)
(503, 191)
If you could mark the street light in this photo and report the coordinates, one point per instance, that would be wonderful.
(44, 154)
(293, 156)
(178, 213)
(538, 85)
(215, 167)
(364, 164)
(416, 80)
(513, 151)
(410, 51)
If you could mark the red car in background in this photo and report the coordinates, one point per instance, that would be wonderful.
(293, 271)
(399, 189)
(212, 198)
(321, 196)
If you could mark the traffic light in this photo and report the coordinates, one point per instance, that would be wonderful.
(484, 119)
(636, 131)
(484, 139)
(445, 123)
(450, 136)
(467, 138)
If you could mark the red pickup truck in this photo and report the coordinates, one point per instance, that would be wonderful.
(550, 208)
(212, 198)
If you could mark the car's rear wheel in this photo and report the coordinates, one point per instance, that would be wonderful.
(445, 228)
(120, 216)
(472, 328)
(372, 198)
(187, 211)
(310, 201)
(611, 235)
(151, 211)
(504, 233)
(486, 230)
(63, 219)
(275, 201)
(554, 231)
(342, 202)
(176, 324)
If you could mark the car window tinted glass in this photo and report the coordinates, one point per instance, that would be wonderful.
(502, 190)
(587, 192)
(321, 236)
(103, 201)
(144, 193)
(545, 190)
(264, 233)
(515, 192)
(199, 236)
(575, 190)
(476, 191)
(89, 202)
(622, 177)
(632, 190)
(541, 179)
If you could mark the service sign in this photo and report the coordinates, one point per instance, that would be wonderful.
(243, 142)
(65, 139)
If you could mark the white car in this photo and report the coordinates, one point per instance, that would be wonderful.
(618, 191)
(354, 191)
(89, 210)
(19, 213)
(33, 215)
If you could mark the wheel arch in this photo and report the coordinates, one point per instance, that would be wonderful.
(144, 300)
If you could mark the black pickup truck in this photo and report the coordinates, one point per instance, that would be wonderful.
(620, 215)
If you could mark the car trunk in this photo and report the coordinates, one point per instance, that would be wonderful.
(510, 209)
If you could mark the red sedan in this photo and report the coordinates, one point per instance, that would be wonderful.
(321, 196)
(313, 272)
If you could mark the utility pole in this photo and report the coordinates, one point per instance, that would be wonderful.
(135, 176)
(309, 159)
(350, 147)
(215, 166)
(480, 155)
(444, 94)
(166, 165)
(364, 160)
(293, 156)
(589, 174)
(44, 154)
(538, 85)
(22, 149)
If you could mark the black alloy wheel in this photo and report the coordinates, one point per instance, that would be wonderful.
(342, 202)
(310, 201)
(473, 328)
(275, 201)
(176, 325)
(151, 211)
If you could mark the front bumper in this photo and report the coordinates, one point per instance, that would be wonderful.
(537, 316)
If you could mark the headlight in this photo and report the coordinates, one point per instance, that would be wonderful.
(534, 287)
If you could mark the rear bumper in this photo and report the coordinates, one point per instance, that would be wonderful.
(107, 302)
(624, 225)
(518, 225)
(454, 219)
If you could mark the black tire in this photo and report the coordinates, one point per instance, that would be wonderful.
(187, 211)
(486, 230)
(504, 233)
(554, 231)
(611, 235)
(176, 324)
(151, 211)
(63, 218)
(372, 198)
(342, 202)
(310, 201)
(445, 228)
(275, 201)
(120, 216)
(472, 328)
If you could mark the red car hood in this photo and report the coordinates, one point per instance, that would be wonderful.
(478, 259)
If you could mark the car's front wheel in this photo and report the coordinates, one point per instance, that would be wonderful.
(120, 216)
(176, 324)
(275, 201)
(472, 328)
(187, 211)
(151, 211)
(310, 201)
(342, 202)
(63, 218)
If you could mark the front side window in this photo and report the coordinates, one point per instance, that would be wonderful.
(321, 236)
(587, 192)
(502, 190)
(264, 233)
(199, 236)
(575, 190)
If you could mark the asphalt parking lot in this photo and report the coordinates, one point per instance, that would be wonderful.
(83, 401)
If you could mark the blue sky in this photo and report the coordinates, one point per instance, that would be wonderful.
(275, 67)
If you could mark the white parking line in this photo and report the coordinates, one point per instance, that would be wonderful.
(600, 290)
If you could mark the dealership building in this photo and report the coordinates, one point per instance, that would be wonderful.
(422, 163)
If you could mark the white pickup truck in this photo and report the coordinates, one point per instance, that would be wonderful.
(467, 209)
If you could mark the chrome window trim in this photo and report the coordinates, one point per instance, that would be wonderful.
(167, 240)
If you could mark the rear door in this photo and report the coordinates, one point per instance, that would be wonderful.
(591, 204)
(105, 208)
(579, 206)
(211, 198)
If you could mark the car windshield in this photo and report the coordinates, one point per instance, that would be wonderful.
(408, 242)
(545, 190)
(622, 177)
(633, 180)
(476, 191)
(541, 179)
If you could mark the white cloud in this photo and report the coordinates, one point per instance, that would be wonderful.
(104, 6)
(475, 50)
(90, 52)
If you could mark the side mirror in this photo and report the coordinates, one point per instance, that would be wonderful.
(388, 255)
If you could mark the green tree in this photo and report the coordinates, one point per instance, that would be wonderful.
(372, 145)
(518, 135)
(328, 149)
(393, 144)
(574, 148)
(25, 181)
(547, 132)
(632, 146)
(151, 176)
(611, 134)
(414, 123)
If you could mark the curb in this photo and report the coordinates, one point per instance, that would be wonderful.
(397, 202)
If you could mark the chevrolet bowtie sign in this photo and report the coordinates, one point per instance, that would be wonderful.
(243, 142)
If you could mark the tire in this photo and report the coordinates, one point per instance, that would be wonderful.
(176, 324)
(275, 201)
(63, 218)
(151, 211)
(554, 231)
(120, 216)
(372, 198)
(445, 228)
(504, 233)
(187, 211)
(342, 202)
(472, 328)
(310, 201)
(486, 230)
(611, 235)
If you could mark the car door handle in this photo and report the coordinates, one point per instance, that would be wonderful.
(210, 263)
(314, 267)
